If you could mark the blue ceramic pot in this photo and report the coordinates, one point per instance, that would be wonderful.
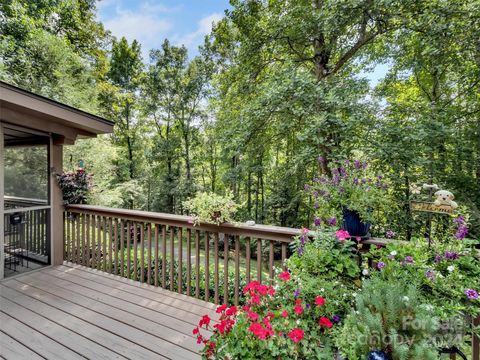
(353, 224)
(377, 355)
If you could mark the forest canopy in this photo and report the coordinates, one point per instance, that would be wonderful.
(276, 85)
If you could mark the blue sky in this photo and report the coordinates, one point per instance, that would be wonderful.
(151, 21)
(181, 21)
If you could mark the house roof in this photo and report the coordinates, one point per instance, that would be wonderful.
(24, 108)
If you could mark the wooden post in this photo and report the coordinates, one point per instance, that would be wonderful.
(56, 198)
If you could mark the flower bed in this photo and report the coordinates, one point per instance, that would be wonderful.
(329, 304)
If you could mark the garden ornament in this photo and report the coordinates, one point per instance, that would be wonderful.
(445, 198)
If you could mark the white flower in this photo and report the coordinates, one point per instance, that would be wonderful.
(357, 312)
(322, 289)
(393, 253)
(344, 295)
(298, 322)
(406, 298)
(365, 272)
(415, 189)
(451, 268)
(354, 294)
(429, 307)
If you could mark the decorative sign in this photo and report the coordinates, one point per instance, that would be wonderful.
(431, 207)
(81, 164)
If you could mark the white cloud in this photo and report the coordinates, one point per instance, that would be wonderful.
(194, 39)
(145, 24)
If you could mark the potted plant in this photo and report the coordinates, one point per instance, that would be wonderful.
(352, 193)
(75, 186)
(211, 208)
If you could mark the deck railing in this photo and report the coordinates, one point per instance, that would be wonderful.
(206, 261)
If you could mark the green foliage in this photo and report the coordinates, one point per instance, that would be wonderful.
(211, 208)
(389, 316)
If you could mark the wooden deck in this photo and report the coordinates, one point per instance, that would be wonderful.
(72, 312)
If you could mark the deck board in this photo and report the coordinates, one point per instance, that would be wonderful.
(73, 312)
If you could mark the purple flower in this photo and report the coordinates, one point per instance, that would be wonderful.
(336, 180)
(379, 177)
(430, 274)
(450, 255)
(357, 164)
(332, 221)
(321, 159)
(460, 219)
(347, 162)
(364, 181)
(306, 187)
(355, 181)
(297, 292)
(307, 306)
(471, 294)
(342, 189)
(390, 234)
(342, 171)
(300, 250)
(315, 194)
(438, 258)
(336, 318)
(462, 232)
(364, 165)
(407, 260)
(380, 265)
(316, 205)
(317, 221)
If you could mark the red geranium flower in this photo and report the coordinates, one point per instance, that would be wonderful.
(285, 276)
(205, 320)
(298, 309)
(284, 314)
(320, 301)
(252, 315)
(296, 335)
(195, 331)
(231, 311)
(221, 308)
(258, 330)
(325, 322)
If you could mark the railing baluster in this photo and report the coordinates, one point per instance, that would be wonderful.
(189, 261)
(135, 254)
(69, 236)
(248, 256)
(103, 257)
(259, 260)
(270, 262)
(122, 248)
(129, 236)
(149, 261)
(83, 240)
(172, 257)
(87, 247)
(99, 242)
(66, 246)
(237, 268)
(180, 260)
(207, 268)
(197, 264)
(142, 252)
(225, 268)
(94, 246)
(110, 242)
(115, 244)
(284, 255)
(156, 255)
(164, 256)
(77, 238)
(216, 275)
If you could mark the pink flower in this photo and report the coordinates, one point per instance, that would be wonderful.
(325, 322)
(285, 276)
(252, 315)
(342, 235)
(320, 301)
(205, 320)
(296, 335)
(298, 309)
(284, 313)
(221, 308)
(231, 311)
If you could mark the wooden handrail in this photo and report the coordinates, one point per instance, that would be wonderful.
(266, 232)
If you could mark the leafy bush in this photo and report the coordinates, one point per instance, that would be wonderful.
(389, 316)
(211, 208)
